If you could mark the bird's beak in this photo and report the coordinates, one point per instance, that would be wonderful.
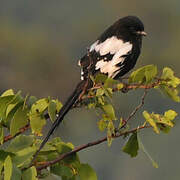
(143, 33)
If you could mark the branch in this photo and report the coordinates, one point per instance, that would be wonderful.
(136, 109)
(84, 146)
(140, 86)
(26, 127)
(9, 137)
(81, 147)
(126, 88)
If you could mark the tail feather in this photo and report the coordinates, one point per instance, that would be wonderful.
(63, 111)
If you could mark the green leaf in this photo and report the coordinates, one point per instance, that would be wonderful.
(7, 103)
(52, 111)
(141, 146)
(51, 155)
(10, 107)
(16, 173)
(30, 174)
(100, 92)
(144, 74)
(109, 110)
(101, 100)
(102, 125)
(49, 146)
(121, 123)
(110, 83)
(132, 145)
(109, 138)
(40, 105)
(91, 105)
(67, 147)
(163, 122)
(61, 170)
(168, 74)
(8, 93)
(108, 92)
(15, 101)
(4, 102)
(63, 147)
(25, 101)
(1, 135)
(59, 105)
(110, 132)
(11, 111)
(92, 78)
(120, 86)
(55, 141)
(19, 120)
(8, 167)
(4, 154)
(170, 92)
(170, 114)
(100, 78)
(31, 100)
(150, 73)
(24, 156)
(163, 128)
(20, 142)
(87, 173)
(37, 122)
(151, 121)
(1, 167)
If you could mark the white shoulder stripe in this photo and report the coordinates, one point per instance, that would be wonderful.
(110, 66)
(110, 45)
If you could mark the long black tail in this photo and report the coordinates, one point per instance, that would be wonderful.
(66, 107)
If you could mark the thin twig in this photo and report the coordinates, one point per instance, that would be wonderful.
(84, 146)
(127, 87)
(9, 137)
(136, 109)
(139, 86)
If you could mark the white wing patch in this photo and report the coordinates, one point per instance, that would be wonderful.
(110, 45)
(111, 67)
(115, 47)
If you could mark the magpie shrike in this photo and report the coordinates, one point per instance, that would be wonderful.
(114, 53)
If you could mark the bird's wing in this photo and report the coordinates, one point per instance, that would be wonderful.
(107, 56)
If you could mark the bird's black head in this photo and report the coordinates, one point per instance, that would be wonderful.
(130, 27)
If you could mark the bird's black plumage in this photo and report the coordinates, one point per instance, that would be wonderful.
(114, 53)
(126, 33)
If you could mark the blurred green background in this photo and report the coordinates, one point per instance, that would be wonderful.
(40, 44)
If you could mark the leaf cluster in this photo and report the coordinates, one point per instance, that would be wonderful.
(15, 113)
(18, 114)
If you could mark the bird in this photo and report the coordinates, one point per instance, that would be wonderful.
(114, 53)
